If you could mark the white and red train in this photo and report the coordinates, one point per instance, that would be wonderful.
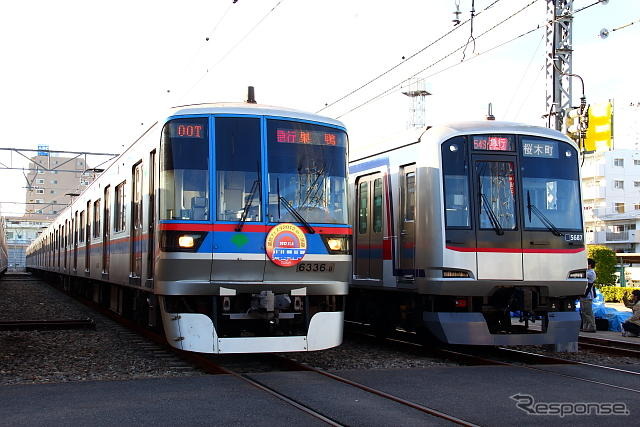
(464, 224)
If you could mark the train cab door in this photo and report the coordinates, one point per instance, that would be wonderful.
(369, 234)
(136, 225)
(407, 239)
(498, 236)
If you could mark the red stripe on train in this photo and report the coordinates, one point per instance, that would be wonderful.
(250, 228)
(516, 250)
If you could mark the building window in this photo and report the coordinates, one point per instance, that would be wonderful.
(9, 234)
(54, 181)
(619, 207)
(636, 206)
(618, 162)
(39, 191)
(39, 200)
(53, 191)
(40, 172)
(636, 162)
(636, 184)
(618, 184)
(40, 181)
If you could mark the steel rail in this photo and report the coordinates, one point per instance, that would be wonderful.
(380, 393)
(40, 325)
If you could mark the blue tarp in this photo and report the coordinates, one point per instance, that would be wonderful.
(615, 317)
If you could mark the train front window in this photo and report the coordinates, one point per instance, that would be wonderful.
(456, 183)
(550, 185)
(307, 170)
(238, 165)
(496, 184)
(184, 170)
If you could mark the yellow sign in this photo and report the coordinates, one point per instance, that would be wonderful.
(600, 131)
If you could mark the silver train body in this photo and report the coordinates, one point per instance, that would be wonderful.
(464, 226)
(4, 251)
(225, 223)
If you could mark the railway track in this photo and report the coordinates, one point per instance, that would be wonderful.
(610, 346)
(40, 325)
(236, 366)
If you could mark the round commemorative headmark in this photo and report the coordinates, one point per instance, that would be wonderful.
(286, 245)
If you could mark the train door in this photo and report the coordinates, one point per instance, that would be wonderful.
(87, 239)
(75, 242)
(369, 235)
(407, 239)
(498, 237)
(136, 223)
(106, 232)
(151, 218)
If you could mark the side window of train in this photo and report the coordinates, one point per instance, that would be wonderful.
(363, 207)
(377, 205)
(455, 172)
(120, 208)
(409, 207)
(96, 218)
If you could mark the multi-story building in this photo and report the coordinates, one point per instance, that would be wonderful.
(51, 180)
(20, 232)
(611, 199)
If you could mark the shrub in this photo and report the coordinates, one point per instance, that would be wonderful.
(615, 293)
(606, 261)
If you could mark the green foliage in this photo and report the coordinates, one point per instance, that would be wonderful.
(606, 262)
(616, 293)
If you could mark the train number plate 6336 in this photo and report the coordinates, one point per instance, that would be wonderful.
(322, 267)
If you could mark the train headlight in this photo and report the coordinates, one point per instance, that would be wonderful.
(580, 274)
(337, 244)
(180, 241)
(186, 241)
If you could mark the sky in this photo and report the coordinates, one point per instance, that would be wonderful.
(92, 76)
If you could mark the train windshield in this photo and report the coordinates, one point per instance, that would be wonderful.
(238, 168)
(307, 172)
(550, 185)
(184, 170)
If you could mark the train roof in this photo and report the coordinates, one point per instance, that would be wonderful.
(482, 126)
(447, 130)
(243, 108)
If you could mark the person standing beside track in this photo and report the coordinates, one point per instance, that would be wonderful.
(586, 303)
(631, 328)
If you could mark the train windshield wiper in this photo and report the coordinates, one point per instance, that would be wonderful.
(492, 216)
(296, 214)
(543, 218)
(247, 205)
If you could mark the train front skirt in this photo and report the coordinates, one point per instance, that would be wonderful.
(196, 332)
(471, 329)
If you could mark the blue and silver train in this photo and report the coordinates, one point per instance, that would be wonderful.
(227, 223)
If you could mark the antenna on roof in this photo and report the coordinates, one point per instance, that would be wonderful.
(251, 96)
(490, 115)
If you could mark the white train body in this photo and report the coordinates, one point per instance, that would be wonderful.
(185, 227)
(462, 225)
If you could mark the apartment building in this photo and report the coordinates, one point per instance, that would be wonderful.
(50, 181)
(611, 199)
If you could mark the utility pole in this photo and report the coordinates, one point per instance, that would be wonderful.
(558, 63)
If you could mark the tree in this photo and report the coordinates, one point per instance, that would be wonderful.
(606, 262)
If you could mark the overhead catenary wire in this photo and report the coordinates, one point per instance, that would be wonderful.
(524, 75)
(405, 60)
(226, 54)
(399, 85)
